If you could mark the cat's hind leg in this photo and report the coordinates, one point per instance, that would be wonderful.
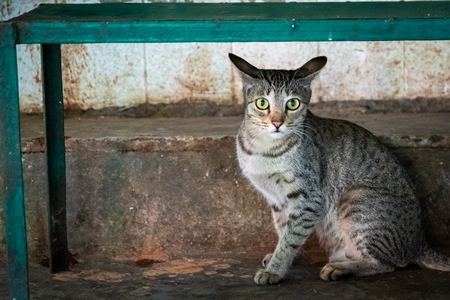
(366, 238)
(342, 269)
(346, 260)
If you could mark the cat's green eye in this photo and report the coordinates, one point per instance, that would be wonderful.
(262, 103)
(293, 104)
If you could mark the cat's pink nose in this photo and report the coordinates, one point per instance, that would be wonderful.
(277, 124)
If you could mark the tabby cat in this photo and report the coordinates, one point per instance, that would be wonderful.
(328, 176)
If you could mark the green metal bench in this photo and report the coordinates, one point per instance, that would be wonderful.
(53, 25)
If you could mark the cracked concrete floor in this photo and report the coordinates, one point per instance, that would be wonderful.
(222, 276)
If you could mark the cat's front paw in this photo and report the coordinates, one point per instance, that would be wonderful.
(267, 259)
(264, 277)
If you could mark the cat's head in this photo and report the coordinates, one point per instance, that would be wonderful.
(276, 100)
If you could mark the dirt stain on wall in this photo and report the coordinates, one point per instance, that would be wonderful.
(75, 59)
(197, 82)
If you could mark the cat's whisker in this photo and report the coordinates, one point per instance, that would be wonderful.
(255, 133)
(303, 134)
(309, 127)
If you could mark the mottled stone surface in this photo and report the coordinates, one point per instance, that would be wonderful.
(359, 71)
(30, 78)
(92, 80)
(188, 72)
(426, 69)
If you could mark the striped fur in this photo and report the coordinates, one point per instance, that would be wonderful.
(328, 176)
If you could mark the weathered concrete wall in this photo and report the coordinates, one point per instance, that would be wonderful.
(145, 187)
(141, 203)
(429, 170)
(124, 75)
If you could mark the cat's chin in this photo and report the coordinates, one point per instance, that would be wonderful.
(277, 135)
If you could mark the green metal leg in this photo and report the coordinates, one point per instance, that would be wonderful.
(11, 153)
(54, 128)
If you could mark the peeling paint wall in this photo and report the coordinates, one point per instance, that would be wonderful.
(125, 75)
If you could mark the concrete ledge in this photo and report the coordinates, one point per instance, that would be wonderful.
(167, 187)
(188, 108)
(190, 134)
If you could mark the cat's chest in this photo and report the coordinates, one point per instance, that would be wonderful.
(258, 159)
(271, 176)
(258, 166)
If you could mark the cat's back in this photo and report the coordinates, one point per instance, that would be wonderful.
(336, 136)
(339, 130)
(351, 153)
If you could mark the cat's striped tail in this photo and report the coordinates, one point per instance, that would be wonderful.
(430, 259)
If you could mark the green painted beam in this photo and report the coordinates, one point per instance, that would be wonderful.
(235, 22)
(11, 154)
(56, 160)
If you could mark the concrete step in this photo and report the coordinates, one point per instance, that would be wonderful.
(164, 187)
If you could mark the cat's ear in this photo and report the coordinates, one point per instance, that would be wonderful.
(309, 70)
(244, 66)
(250, 75)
